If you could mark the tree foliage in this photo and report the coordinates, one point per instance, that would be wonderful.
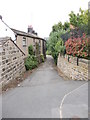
(79, 20)
(77, 46)
(30, 50)
(59, 47)
(66, 26)
(62, 32)
(55, 44)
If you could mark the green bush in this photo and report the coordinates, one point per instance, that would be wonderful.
(33, 57)
(37, 49)
(30, 50)
(48, 52)
(55, 56)
(42, 57)
(59, 47)
(31, 62)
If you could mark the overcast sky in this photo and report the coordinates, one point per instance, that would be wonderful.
(41, 14)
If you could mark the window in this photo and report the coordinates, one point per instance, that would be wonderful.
(33, 42)
(24, 42)
(39, 43)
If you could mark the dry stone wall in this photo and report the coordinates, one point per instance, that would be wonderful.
(11, 61)
(74, 68)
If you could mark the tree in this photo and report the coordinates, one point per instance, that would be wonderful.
(61, 32)
(80, 20)
(73, 18)
(66, 26)
(54, 42)
(57, 27)
(59, 47)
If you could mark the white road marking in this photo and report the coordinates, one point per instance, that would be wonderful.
(61, 116)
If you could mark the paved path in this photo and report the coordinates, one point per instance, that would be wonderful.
(41, 95)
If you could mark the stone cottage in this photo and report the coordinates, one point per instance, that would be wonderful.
(13, 50)
(24, 40)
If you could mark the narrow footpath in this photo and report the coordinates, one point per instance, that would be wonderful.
(41, 95)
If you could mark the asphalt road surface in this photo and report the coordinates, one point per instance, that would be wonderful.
(44, 94)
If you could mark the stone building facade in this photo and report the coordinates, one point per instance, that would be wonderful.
(11, 60)
(24, 40)
(74, 68)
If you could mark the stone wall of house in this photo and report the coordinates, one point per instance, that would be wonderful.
(73, 67)
(11, 61)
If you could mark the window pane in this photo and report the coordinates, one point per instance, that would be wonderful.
(24, 42)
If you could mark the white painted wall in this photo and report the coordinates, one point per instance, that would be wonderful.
(5, 31)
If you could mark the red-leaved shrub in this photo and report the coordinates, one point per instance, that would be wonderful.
(77, 46)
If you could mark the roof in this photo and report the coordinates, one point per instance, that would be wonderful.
(18, 32)
(3, 40)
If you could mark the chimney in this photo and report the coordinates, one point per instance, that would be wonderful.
(33, 32)
(30, 29)
(36, 34)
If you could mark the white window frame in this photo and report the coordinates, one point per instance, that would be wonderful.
(24, 42)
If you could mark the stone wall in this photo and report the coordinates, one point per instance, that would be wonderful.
(11, 60)
(73, 67)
